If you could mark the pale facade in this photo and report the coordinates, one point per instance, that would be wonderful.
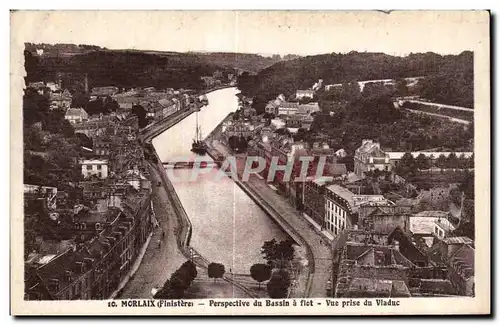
(76, 115)
(369, 157)
(95, 167)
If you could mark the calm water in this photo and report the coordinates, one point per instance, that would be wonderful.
(228, 227)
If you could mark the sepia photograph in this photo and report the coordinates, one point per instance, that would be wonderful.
(250, 162)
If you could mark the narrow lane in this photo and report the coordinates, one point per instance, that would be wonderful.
(159, 262)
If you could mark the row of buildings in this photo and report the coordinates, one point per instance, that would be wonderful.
(219, 78)
(85, 246)
(294, 115)
(157, 104)
(58, 97)
(370, 156)
(381, 248)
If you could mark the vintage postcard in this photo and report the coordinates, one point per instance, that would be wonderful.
(250, 162)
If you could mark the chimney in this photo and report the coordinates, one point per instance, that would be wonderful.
(68, 275)
(81, 266)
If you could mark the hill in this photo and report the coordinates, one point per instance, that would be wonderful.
(449, 78)
(242, 61)
(132, 68)
(121, 69)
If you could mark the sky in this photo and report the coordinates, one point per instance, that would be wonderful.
(265, 32)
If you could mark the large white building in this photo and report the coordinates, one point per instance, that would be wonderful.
(309, 93)
(98, 167)
(76, 115)
(341, 207)
(369, 157)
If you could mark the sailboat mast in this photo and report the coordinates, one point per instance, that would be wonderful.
(196, 136)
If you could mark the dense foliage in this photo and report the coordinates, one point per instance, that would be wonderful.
(243, 61)
(238, 143)
(278, 253)
(278, 286)
(449, 78)
(372, 116)
(179, 282)
(51, 149)
(120, 68)
(216, 271)
(260, 272)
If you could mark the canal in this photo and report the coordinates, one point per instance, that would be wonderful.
(228, 227)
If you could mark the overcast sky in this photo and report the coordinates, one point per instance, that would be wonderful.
(302, 33)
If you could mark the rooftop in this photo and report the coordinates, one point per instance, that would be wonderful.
(432, 214)
(108, 216)
(63, 269)
(289, 105)
(342, 192)
(458, 240)
(422, 225)
(94, 162)
(444, 224)
(463, 261)
(76, 112)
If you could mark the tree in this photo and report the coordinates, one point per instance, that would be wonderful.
(95, 107)
(233, 142)
(422, 162)
(110, 105)
(140, 112)
(441, 161)
(84, 140)
(260, 272)
(467, 184)
(278, 252)
(277, 287)
(406, 165)
(216, 270)
(35, 107)
(452, 161)
(178, 283)
(401, 87)
(268, 115)
(79, 99)
(188, 268)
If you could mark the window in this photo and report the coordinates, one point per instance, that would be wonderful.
(89, 167)
(99, 167)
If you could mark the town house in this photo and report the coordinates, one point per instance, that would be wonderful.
(288, 108)
(314, 200)
(309, 93)
(342, 209)
(461, 271)
(98, 167)
(369, 156)
(76, 115)
(60, 99)
(102, 92)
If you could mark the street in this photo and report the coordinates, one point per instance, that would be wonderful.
(159, 262)
(321, 253)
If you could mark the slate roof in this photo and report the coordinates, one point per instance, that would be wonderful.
(463, 261)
